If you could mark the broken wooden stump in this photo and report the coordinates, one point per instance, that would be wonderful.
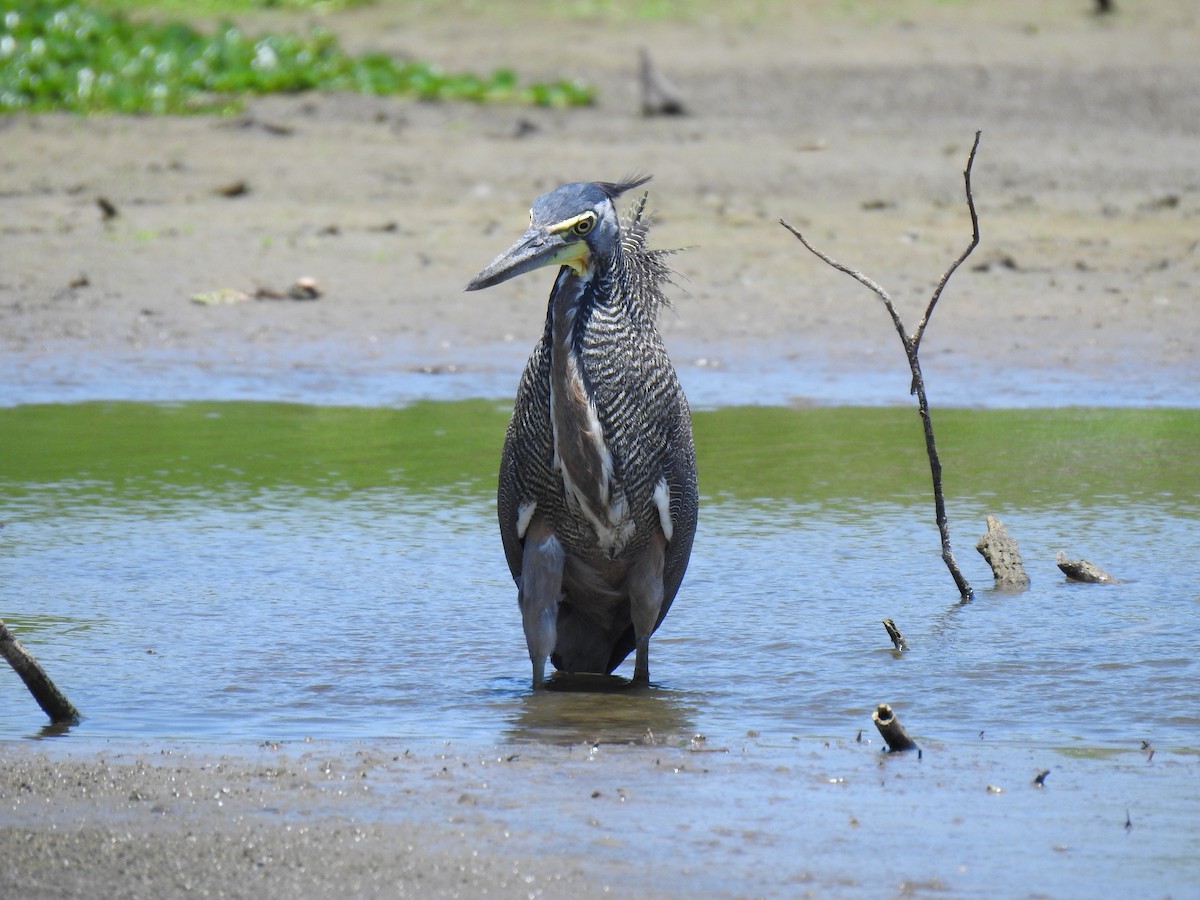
(659, 96)
(45, 692)
(891, 730)
(1081, 570)
(1000, 550)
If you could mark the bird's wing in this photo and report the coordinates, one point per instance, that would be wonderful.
(685, 501)
(528, 447)
(679, 472)
(507, 504)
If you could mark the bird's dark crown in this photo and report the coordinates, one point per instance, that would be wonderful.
(567, 201)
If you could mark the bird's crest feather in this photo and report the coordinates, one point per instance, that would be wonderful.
(615, 189)
(646, 270)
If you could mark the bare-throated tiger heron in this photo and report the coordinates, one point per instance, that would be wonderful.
(597, 497)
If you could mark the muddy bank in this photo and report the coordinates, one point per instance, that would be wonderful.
(855, 128)
(771, 815)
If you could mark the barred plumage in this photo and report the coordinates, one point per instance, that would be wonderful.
(597, 496)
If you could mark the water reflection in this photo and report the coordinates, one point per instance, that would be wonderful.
(598, 709)
(54, 730)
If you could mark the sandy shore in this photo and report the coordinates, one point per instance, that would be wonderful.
(852, 125)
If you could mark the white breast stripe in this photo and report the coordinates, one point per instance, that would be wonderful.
(524, 516)
(662, 499)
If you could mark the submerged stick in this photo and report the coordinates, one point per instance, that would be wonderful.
(891, 730)
(1000, 550)
(52, 701)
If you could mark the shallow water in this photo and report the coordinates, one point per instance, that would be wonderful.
(330, 373)
(246, 571)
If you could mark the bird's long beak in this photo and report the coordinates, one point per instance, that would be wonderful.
(537, 247)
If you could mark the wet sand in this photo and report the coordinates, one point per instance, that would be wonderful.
(852, 125)
(761, 816)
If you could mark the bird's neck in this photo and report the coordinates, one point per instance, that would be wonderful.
(581, 449)
(577, 295)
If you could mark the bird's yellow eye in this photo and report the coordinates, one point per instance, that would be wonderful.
(584, 225)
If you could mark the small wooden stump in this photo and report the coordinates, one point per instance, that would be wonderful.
(891, 730)
(1082, 570)
(1001, 552)
(894, 633)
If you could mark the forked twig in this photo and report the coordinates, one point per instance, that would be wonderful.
(912, 346)
(937, 293)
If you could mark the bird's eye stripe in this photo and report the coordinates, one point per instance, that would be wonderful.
(580, 224)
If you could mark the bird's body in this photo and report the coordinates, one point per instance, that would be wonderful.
(597, 496)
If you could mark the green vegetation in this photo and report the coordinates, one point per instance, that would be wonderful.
(61, 55)
(829, 455)
(1025, 457)
(226, 7)
(153, 448)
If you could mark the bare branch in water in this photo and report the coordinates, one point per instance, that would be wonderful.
(45, 692)
(912, 346)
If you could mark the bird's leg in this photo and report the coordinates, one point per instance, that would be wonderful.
(645, 585)
(540, 593)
